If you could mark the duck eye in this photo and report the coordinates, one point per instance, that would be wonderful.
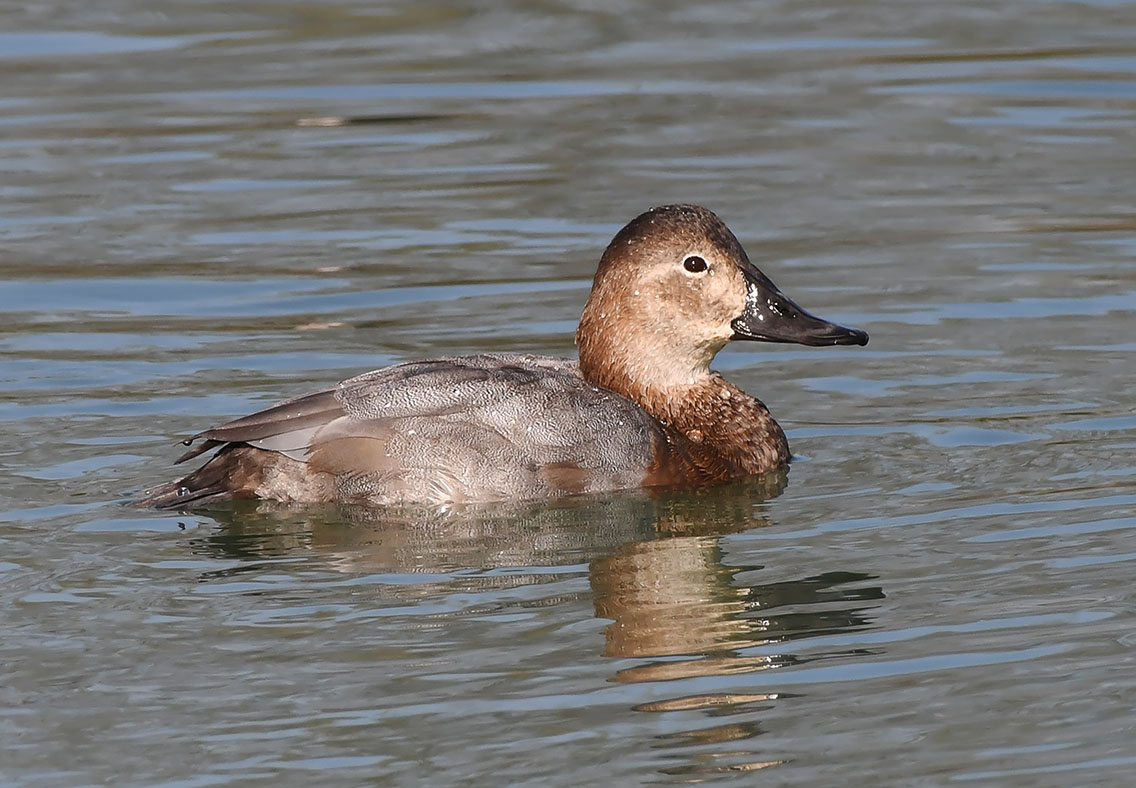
(694, 264)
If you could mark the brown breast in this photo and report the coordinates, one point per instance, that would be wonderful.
(713, 433)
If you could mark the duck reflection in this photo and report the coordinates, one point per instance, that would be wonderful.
(563, 532)
(676, 597)
(656, 568)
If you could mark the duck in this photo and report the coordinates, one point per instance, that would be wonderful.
(639, 408)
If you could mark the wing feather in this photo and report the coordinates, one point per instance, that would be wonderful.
(471, 427)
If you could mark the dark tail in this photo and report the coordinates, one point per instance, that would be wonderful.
(223, 478)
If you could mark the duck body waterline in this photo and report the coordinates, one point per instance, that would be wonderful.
(641, 407)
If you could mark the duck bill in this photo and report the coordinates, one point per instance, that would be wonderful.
(771, 316)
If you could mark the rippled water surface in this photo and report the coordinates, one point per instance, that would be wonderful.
(942, 592)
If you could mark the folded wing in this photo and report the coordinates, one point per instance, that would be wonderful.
(445, 430)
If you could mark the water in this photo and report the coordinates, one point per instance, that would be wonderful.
(940, 594)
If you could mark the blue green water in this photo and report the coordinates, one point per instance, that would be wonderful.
(941, 592)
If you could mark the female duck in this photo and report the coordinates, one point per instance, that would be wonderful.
(641, 408)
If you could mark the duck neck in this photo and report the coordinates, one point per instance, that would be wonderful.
(643, 376)
(712, 423)
(644, 364)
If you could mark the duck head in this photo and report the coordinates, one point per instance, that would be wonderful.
(672, 288)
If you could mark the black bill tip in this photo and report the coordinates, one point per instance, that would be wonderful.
(771, 316)
(804, 329)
